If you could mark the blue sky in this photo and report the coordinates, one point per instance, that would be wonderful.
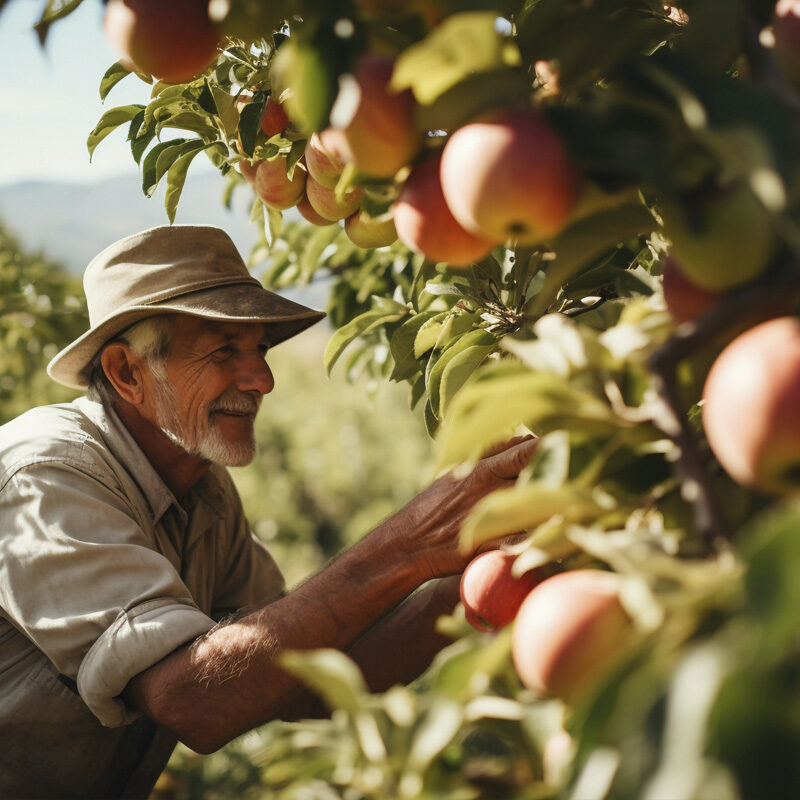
(49, 101)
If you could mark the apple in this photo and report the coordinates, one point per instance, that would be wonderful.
(569, 630)
(173, 41)
(490, 593)
(274, 119)
(508, 177)
(786, 28)
(366, 231)
(751, 409)
(323, 167)
(380, 135)
(328, 205)
(722, 236)
(685, 300)
(274, 186)
(426, 225)
(307, 212)
(248, 169)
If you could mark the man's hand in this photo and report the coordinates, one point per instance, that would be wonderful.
(230, 681)
(427, 527)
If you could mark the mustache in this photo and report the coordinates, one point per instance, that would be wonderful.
(238, 403)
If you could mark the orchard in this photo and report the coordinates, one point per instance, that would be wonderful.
(579, 220)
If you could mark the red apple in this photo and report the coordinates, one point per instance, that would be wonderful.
(328, 205)
(366, 231)
(508, 177)
(381, 136)
(786, 27)
(307, 212)
(248, 169)
(568, 631)
(685, 300)
(425, 224)
(274, 119)
(751, 409)
(490, 593)
(323, 167)
(273, 185)
(173, 41)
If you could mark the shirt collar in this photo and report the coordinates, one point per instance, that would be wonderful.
(130, 455)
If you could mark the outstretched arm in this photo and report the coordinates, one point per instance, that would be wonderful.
(229, 681)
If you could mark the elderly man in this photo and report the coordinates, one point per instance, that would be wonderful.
(124, 542)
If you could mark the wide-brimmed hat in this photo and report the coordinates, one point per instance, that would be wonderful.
(172, 269)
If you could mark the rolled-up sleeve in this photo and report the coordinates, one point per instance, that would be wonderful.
(80, 578)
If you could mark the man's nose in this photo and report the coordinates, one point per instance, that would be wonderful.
(254, 375)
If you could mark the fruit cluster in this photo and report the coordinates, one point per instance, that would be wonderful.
(569, 627)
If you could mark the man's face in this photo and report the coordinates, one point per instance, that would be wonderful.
(214, 378)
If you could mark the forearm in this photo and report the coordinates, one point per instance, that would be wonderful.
(230, 681)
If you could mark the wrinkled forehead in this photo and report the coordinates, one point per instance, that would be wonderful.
(189, 329)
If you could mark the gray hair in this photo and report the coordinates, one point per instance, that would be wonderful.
(149, 339)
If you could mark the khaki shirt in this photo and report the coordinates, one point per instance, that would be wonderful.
(102, 574)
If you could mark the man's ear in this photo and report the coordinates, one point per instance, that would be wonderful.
(123, 370)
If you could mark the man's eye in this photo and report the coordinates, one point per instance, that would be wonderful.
(222, 352)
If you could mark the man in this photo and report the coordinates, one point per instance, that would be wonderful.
(124, 542)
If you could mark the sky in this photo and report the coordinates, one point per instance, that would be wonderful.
(49, 100)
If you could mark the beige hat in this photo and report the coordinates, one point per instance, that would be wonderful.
(181, 269)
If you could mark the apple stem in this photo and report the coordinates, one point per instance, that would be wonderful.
(751, 303)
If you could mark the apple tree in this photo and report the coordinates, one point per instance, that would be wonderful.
(578, 219)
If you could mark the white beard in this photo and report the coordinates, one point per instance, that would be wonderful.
(209, 443)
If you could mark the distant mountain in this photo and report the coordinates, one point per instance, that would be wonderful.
(71, 223)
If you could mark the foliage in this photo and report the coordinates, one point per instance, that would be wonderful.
(41, 310)
(680, 119)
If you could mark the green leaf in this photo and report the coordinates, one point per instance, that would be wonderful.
(113, 75)
(151, 174)
(250, 122)
(458, 370)
(438, 728)
(331, 674)
(362, 324)
(463, 44)
(176, 176)
(111, 120)
(54, 10)
(402, 346)
(521, 508)
(428, 334)
(489, 410)
(302, 79)
(481, 339)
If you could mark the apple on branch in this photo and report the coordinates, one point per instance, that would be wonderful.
(426, 225)
(751, 408)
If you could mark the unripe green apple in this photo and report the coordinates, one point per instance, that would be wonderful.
(323, 167)
(172, 41)
(307, 212)
(491, 594)
(751, 409)
(366, 231)
(685, 300)
(426, 225)
(508, 177)
(274, 186)
(786, 27)
(722, 239)
(328, 205)
(380, 135)
(569, 630)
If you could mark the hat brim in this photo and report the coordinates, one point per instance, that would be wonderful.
(231, 303)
